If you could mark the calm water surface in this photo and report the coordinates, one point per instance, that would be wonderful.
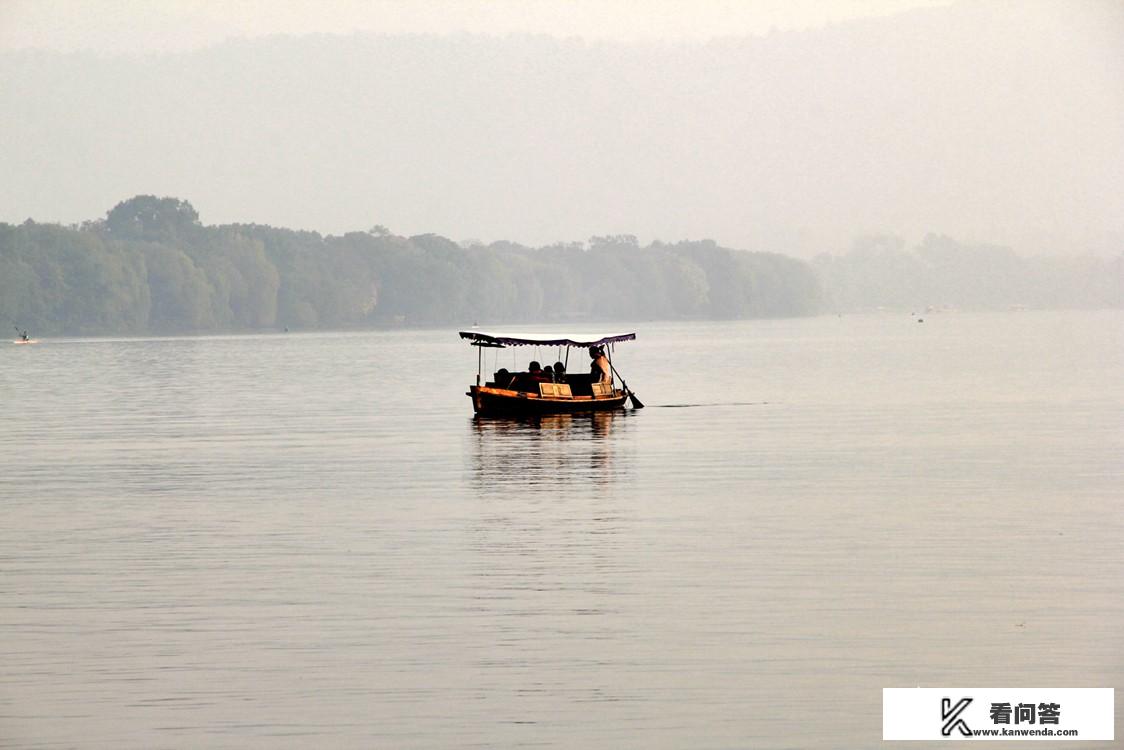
(307, 541)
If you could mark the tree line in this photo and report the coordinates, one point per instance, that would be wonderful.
(881, 271)
(151, 266)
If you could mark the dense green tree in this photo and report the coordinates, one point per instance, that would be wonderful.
(180, 292)
(152, 218)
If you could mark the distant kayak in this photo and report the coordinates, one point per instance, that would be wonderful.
(26, 341)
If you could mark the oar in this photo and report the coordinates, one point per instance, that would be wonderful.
(632, 396)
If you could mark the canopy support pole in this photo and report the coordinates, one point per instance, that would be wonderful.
(479, 363)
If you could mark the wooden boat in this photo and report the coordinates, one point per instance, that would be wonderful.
(525, 394)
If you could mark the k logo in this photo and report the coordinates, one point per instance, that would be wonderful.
(950, 715)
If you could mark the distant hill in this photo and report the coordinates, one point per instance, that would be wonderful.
(997, 122)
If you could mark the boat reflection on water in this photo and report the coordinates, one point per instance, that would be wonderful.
(545, 556)
(551, 451)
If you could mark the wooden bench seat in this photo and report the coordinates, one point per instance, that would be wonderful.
(555, 390)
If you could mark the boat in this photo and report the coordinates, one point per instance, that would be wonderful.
(23, 337)
(532, 394)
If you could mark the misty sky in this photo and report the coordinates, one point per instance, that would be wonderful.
(117, 25)
(791, 127)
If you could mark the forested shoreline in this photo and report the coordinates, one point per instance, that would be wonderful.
(151, 267)
(882, 273)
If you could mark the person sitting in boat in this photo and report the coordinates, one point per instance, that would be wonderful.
(529, 381)
(535, 373)
(599, 366)
(548, 374)
(503, 378)
(559, 372)
(23, 336)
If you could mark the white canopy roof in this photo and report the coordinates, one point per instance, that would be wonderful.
(494, 338)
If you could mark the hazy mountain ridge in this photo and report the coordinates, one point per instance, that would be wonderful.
(940, 119)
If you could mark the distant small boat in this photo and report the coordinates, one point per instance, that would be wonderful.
(530, 394)
(26, 341)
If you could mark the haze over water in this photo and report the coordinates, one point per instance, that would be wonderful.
(306, 540)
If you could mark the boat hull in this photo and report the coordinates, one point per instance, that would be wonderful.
(502, 402)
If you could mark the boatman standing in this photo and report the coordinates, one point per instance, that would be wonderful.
(599, 367)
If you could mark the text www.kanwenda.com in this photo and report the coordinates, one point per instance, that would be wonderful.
(1004, 732)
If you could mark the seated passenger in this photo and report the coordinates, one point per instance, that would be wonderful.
(559, 372)
(529, 381)
(535, 373)
(503, 378)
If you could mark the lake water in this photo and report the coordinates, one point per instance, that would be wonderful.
(295, 541)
